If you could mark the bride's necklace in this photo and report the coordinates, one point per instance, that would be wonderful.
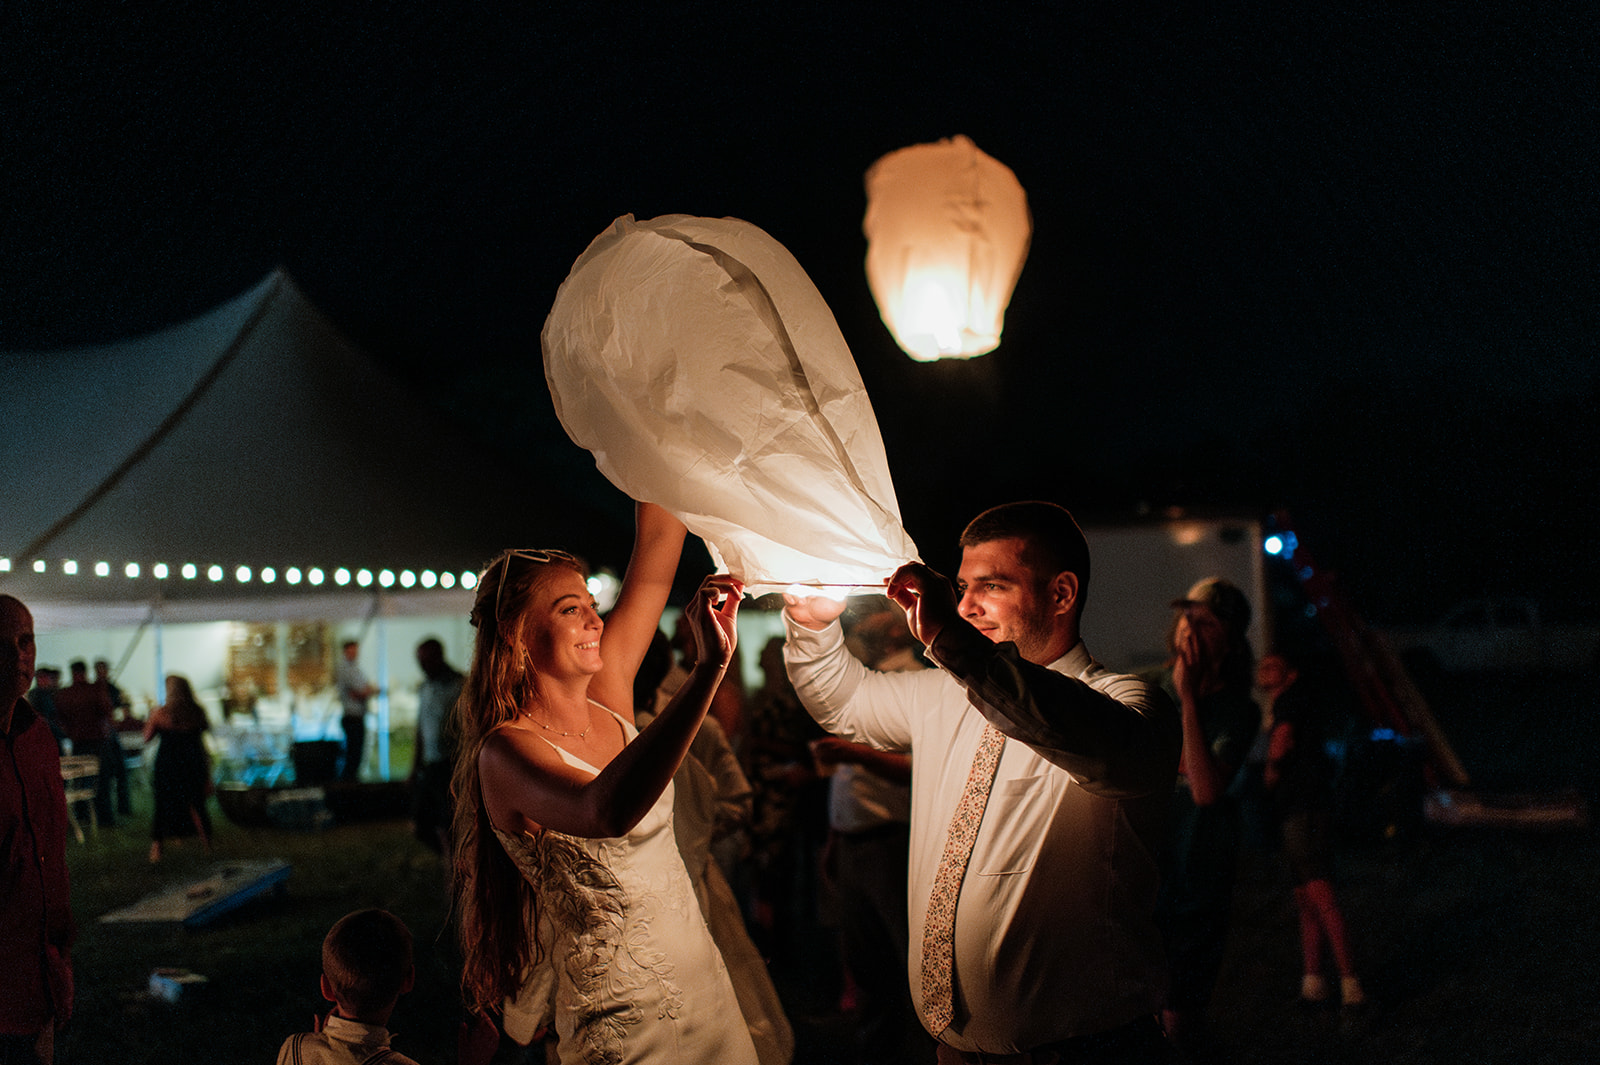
(557, 731)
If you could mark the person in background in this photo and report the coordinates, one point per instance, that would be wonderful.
(354, 691)
(716, 742)
(788, 820)
(1039, 785)
(366, 967)
(727, 706)
(436, 746)
(865, 860)
(1258, 824)
(181, 778)
(36, 927)
(42, 697)
(116, 760)
(120, 704)
(711, 803)
(85, 709)
(1299, 779)
(1212, 670)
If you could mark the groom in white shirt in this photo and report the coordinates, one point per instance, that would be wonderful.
(1040, 782)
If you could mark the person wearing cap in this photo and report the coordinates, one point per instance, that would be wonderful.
(1212, 669)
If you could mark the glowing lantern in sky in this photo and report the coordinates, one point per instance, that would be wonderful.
(947, 232)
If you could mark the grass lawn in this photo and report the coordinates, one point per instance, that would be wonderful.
(262, 961)
(1476, 945)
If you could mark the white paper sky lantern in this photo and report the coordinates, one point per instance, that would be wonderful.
(698, 363)
(947, 233)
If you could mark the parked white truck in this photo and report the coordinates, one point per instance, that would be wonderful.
(1499, 635)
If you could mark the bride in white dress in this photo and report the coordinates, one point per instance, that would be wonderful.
(563, 817)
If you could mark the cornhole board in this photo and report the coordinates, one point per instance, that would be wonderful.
(197, 902)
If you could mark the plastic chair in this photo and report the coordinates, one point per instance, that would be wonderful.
(80, 776)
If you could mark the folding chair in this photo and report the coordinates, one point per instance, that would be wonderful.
(80, 775)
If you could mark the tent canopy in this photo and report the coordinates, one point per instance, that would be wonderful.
(253, 436)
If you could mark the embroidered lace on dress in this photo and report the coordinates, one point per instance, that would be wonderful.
(612, 964)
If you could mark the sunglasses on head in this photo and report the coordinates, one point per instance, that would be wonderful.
(541, 556)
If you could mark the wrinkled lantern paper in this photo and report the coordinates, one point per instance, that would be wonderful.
(698, 363)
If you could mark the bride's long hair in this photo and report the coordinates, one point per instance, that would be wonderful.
(495, 908)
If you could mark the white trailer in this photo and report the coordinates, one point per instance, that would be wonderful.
(1139, 567)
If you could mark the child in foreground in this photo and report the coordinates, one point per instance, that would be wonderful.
(366, 966)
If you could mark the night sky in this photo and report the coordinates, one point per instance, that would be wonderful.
(1333, 258)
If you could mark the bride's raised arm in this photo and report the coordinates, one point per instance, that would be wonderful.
(657, 546)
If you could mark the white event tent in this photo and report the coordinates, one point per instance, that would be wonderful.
(300, 482)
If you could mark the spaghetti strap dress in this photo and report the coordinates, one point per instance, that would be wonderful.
(637, 976)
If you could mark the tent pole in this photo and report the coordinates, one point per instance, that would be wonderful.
(122, 663)
(280, 637)
(161, 665)
(374, 613)
(383, 689)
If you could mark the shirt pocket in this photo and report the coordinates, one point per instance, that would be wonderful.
(1014, 825)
